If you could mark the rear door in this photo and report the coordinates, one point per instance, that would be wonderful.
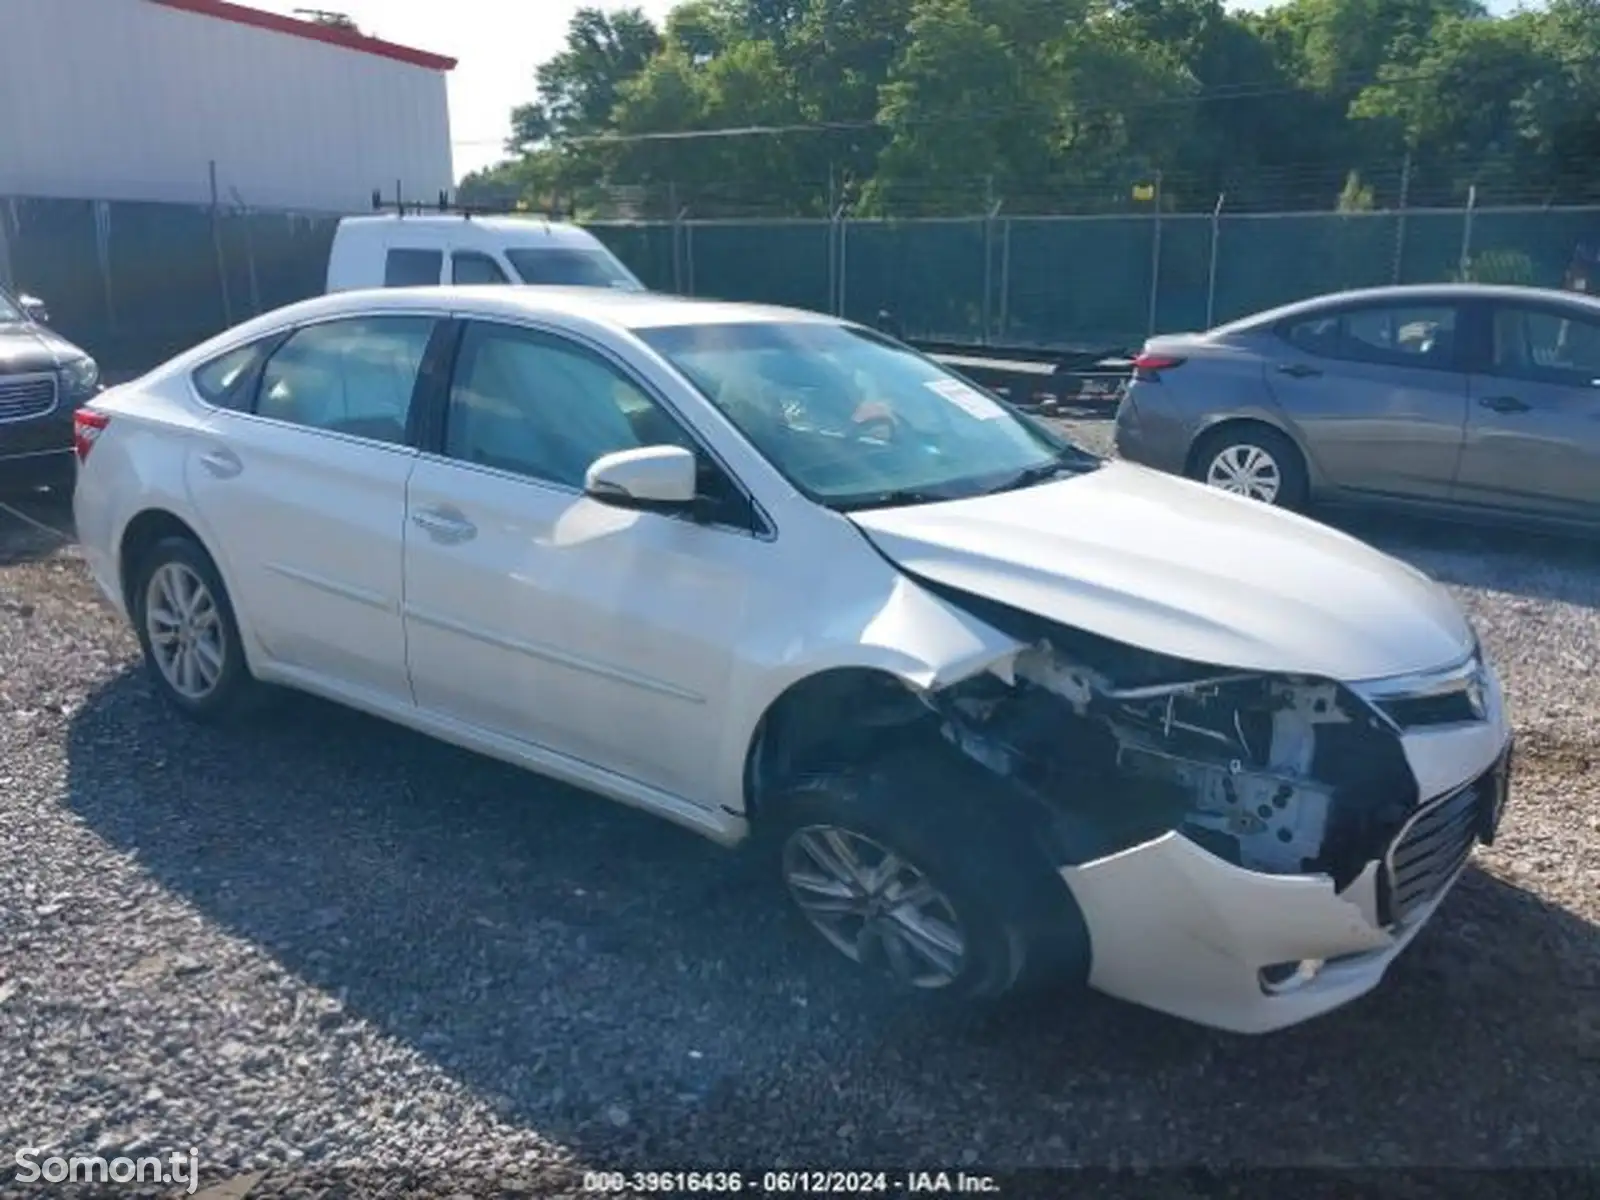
(301, 477)
(1378, 393)
(1533, 437)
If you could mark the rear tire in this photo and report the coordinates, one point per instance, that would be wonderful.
(1254, 461)
(971, 908)
(189, 635)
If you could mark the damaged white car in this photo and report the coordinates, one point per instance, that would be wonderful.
(999, 710)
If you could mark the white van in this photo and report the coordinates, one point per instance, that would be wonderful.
(427, 250)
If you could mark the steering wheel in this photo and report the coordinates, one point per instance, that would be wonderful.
(875, 420)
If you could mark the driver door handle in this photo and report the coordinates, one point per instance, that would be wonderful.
(444, 525)
(224, 464)
(1298, 370)
(1505, 404)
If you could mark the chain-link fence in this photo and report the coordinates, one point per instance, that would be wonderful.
(134, 283)
(1091, 281)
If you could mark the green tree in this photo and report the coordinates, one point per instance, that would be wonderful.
(935, 106)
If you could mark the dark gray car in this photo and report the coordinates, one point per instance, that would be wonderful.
(1465, 398)
(43, 380)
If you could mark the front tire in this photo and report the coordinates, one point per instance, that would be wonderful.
(188, 632)
(899, 867)
(1254, 461)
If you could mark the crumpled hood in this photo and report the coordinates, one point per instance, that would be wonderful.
(1182, 569)
(25, 349)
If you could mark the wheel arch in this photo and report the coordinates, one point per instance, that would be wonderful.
(147, 528)
(817, 721)
(1207, 434)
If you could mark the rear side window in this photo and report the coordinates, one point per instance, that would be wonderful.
(413, 268)
(355, 376)
(1399, 335)
(224, 381)
(468, 267)
(1404, 336)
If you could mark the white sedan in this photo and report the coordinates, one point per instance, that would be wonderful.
(1002, 711)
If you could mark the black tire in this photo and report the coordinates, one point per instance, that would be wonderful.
(236, 692)
(933, 808)
(1294, 483)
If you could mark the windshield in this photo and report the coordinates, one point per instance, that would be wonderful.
(855, 421)
(10, 310)
(566, 267)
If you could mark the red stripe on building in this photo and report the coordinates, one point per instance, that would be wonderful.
(331, 35)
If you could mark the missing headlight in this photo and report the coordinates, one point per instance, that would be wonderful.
(1277, 774)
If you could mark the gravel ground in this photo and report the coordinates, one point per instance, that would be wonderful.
(323, 941)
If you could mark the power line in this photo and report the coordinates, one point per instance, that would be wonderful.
(1219, 93)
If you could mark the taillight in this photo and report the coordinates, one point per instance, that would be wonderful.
(1148, 366)
(87, 425)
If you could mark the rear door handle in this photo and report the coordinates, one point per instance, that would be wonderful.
(1298, 370)
(224, 464)
(1505, 404)
(444, 525)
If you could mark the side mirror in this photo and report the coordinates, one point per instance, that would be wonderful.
(651, 477)
(33, 308)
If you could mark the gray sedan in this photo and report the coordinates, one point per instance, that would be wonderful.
(1465, 398)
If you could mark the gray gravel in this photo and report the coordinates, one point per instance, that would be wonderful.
(327, 942)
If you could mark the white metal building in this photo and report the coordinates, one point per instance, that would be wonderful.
(136, 99)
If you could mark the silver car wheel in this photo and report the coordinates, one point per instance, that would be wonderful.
(876, 908)
(1246, 470)
(185, 629)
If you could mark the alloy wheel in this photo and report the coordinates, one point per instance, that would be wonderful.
(186, 632)
(874, 906)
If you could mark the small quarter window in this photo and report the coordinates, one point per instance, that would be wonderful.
(222, 381)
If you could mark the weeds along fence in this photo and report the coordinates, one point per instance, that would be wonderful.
(136, 282)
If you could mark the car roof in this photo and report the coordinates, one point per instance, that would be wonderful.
(613, 307)
(1412, 293)
(608, 308)
(528, 230)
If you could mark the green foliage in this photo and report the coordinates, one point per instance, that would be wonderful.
(945, 107)
(1497, 266)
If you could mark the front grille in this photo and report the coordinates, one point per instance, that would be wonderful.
(1432, 847)
(23, 397)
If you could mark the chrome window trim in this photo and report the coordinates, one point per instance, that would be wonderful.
(288, 331)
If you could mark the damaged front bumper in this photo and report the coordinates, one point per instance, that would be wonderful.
(1247, 850)
(1175, 928)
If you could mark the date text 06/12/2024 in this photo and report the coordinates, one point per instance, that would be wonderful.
(789, 1183)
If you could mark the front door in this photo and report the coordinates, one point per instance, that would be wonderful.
(1533, 439)
(538, 613)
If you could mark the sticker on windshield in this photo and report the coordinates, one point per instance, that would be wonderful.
(968, 399)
